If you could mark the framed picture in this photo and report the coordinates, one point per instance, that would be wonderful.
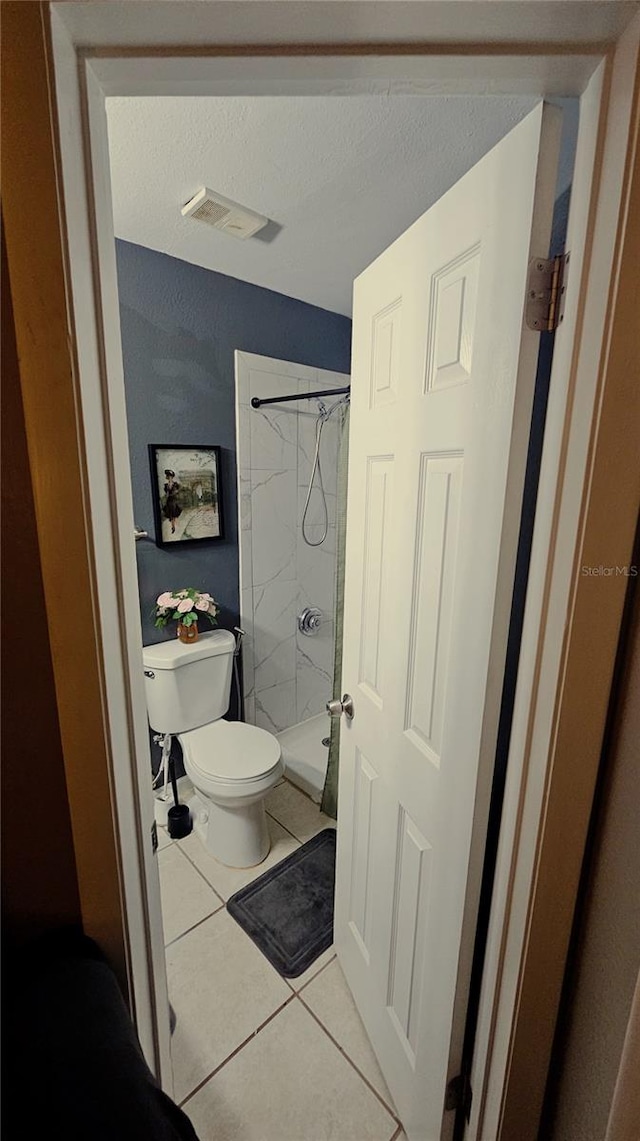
(187, 498)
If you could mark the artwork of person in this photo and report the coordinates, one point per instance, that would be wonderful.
(187, 509)
(172, 508)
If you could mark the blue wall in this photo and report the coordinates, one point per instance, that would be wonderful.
(180, 327)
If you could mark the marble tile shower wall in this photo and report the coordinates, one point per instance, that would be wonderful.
(288, 676)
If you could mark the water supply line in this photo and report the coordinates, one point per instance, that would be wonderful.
(164, 740)
(240, 634)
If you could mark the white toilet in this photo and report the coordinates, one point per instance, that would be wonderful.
(232, 766)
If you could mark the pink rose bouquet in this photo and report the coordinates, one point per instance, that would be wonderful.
(185, 606)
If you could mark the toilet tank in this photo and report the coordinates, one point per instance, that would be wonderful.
(188, 685)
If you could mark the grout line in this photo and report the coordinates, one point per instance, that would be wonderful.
(310, 800)
(236, 1051)
(201, 874)
(351, 1062)
(322, 828)
(306, 795)
(223, 907)
(286, 829)
(190, 929)
(313, 977)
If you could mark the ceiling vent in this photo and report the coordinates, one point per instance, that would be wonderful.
(223, 214)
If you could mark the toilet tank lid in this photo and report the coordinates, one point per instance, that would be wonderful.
(169, 655)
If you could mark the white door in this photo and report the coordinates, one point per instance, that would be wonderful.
(442, 386)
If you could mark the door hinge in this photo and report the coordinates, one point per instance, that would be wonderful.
(154, 837)
(546, 292)
(459, 1095)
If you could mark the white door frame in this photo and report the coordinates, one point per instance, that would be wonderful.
(84, 73)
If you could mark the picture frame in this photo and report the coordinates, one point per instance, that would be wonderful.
(186, 490)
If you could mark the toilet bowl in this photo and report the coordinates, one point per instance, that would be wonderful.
(232, 767)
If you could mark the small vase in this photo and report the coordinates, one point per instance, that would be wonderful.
(188, 633)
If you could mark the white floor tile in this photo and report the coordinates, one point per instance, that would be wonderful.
(289, 1083)
(329, 997)
(225, 880)
(312, 971)
(221, 989)
(296, 812)
(186, 897)
(164, 839)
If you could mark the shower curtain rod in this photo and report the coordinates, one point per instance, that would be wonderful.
(257, 402)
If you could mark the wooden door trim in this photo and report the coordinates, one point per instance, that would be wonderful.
(48, 375)
(608, 519)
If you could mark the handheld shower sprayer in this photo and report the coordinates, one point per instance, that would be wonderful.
(324, 414)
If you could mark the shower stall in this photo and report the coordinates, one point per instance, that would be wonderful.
(287, 457)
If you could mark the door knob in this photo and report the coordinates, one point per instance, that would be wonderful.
(336, 707)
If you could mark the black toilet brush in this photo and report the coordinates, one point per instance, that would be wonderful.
(179, 822)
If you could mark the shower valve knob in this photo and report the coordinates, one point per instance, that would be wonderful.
(309, 621)
(336, 707)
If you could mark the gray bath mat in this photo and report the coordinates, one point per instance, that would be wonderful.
(288, 912)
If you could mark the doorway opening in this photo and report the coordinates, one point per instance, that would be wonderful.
(202, 335)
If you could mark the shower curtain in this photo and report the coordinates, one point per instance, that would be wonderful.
(329, 803)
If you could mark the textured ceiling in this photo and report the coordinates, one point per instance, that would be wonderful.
(340, 177)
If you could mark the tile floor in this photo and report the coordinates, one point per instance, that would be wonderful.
(257, 1057)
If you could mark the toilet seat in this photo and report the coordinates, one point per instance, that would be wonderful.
(231, 752)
